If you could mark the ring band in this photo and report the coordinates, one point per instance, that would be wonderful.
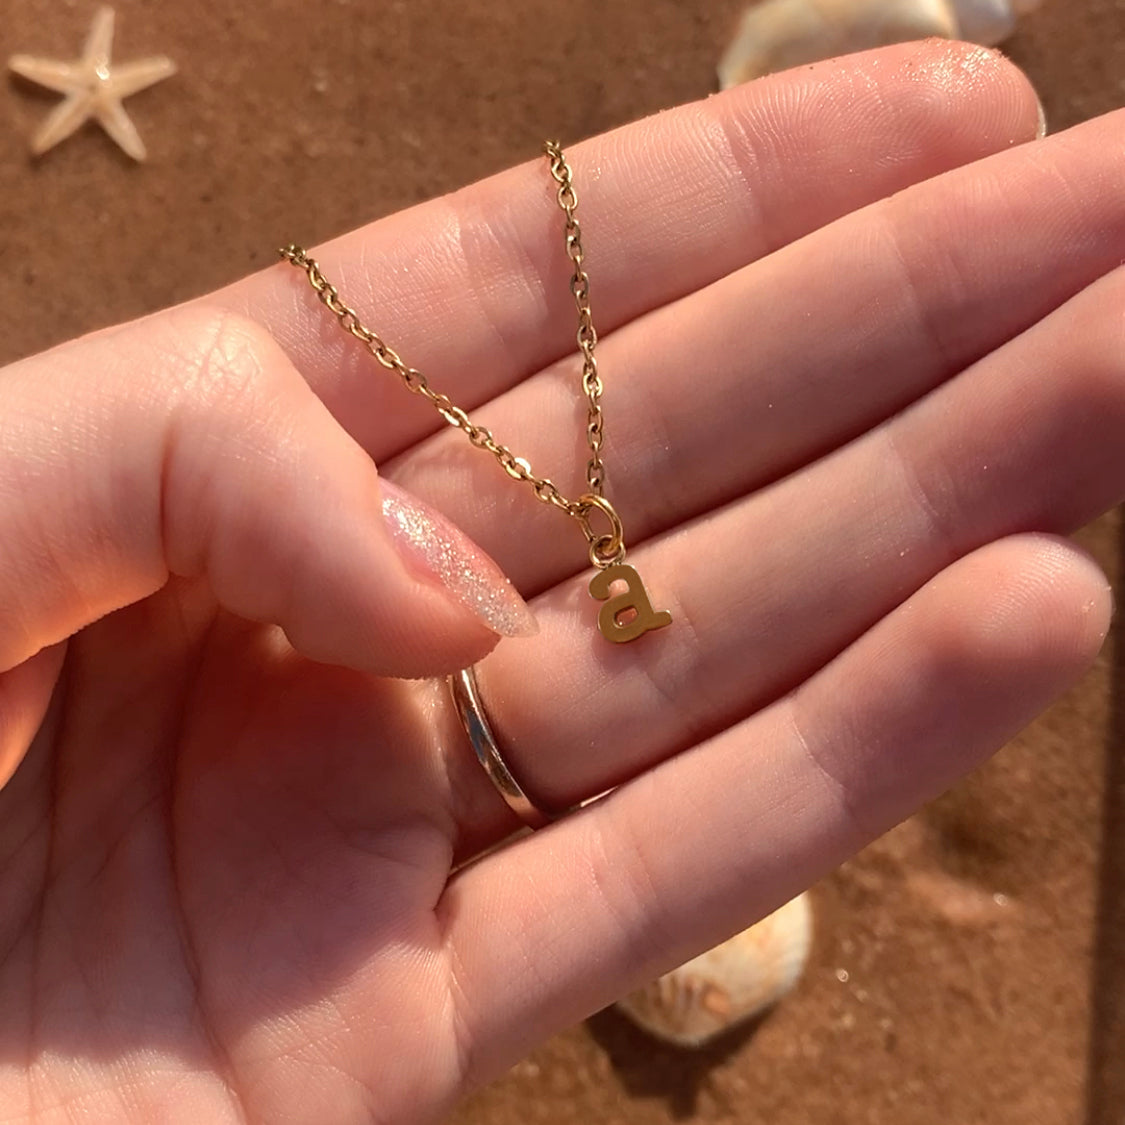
(470, 710)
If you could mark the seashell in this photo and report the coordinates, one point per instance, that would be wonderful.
(728, 984)
(989, 22)
(776, 34)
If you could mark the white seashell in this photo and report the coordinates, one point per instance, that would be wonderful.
(777, 34)
(989, 22)
(728, 984)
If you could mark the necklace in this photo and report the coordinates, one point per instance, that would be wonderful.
(625, 615)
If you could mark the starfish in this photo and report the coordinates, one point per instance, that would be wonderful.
(93, 90)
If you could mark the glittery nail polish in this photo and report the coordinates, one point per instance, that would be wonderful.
(432, 546)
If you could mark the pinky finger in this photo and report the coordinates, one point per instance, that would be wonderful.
(550, 930)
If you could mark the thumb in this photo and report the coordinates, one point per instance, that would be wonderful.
(187, 444)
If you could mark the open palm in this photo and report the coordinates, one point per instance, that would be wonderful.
(840, 421)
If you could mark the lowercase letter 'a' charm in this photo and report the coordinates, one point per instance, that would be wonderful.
(625, 615)
(643, 619)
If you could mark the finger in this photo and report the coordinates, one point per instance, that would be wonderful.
(190, 446)
(780, 362)
(472, 288)
(767, 590)
(551, 929)
(25, 692)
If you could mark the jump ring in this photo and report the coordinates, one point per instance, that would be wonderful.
(605, 552)
(616, 535)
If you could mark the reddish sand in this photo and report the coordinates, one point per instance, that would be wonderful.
(970, 967)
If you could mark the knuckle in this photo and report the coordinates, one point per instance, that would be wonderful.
(633, 896)
(215, 356)
(217, 378)
(1097, 369)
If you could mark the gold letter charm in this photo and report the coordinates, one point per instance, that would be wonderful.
(635, 598)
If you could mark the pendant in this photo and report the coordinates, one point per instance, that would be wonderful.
(643, 618)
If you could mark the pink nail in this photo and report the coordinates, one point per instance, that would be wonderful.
(434, 547)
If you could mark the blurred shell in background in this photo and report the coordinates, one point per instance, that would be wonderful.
(777, 34)
(726, 985)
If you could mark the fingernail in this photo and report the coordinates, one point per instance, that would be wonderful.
(433, 547)
(1041, 129)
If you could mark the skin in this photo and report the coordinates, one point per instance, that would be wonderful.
(850, 408)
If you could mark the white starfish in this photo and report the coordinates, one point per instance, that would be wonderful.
(93, 89)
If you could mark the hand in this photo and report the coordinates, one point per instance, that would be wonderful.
(845, 416)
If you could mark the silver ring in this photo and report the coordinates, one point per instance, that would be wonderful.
(470, 710)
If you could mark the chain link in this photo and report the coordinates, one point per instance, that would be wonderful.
(586, 336)
(606, 548)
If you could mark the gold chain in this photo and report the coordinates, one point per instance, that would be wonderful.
(586, 336)
(606, 548)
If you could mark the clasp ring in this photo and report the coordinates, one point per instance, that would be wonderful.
(606, 548)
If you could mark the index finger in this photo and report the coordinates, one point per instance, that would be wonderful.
(472, 288)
